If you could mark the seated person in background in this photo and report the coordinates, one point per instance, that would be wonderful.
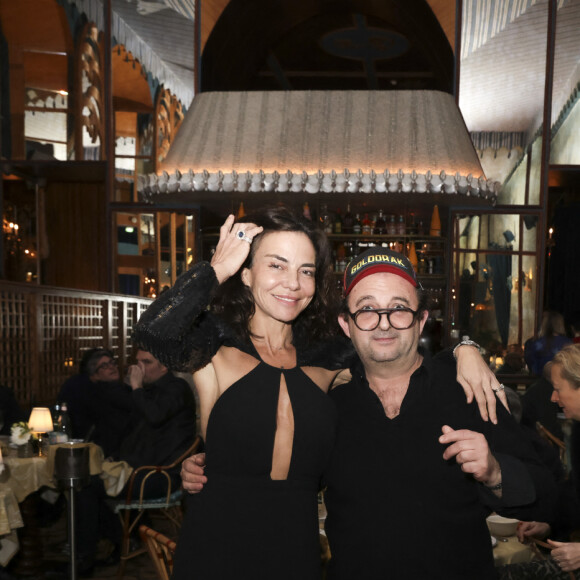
(547, 452)
(551, 338)
(163, 427)
(537, 406)
(513, 361)
(10, 411)
(565, 556)
(163, 416)
(99, 404)
(574, 324)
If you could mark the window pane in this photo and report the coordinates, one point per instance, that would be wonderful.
(48, 130)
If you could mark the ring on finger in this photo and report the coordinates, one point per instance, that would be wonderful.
(498, 389)
(242, 236)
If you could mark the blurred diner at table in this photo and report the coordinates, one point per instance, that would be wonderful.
(551, 337)
(560, 532)
(99, 403)
(162, 427)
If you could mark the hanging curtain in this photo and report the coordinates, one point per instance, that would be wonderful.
(501, 266)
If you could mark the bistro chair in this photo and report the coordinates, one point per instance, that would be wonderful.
(555, 441)
(161, 550)
(131, 509)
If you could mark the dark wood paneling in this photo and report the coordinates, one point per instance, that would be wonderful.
(76, 232)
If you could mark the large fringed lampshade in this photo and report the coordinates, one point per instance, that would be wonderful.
(321, 142)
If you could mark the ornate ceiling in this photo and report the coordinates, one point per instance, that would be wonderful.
(315, 44)
(352, 44)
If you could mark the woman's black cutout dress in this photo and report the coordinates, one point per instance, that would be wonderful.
(244, 524)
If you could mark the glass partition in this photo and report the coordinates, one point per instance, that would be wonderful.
(45, 124)
(493, 279)
(153, 249)
(133, 152)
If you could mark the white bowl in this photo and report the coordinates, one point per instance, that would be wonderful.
(500, 526)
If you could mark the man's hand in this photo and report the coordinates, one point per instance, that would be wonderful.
(527, 530)
(478, 381)
(566, 555)
(135, 376)
(472, 453)
(192, 475)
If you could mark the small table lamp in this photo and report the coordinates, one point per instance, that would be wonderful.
(40, 423)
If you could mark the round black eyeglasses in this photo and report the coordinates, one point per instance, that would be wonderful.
(399, 318)
(109, 364)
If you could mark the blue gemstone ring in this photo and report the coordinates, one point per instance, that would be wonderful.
(242, 235)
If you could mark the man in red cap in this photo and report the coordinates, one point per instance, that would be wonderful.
(415, 470)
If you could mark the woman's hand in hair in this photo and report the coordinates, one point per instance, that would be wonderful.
(233, 249)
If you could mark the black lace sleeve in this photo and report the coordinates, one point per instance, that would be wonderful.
(177, 328)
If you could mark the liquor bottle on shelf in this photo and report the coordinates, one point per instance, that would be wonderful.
(55, 413)
(411, 224)
(435, 222)
(337, 223)
(351, 250)
(413, 255)
(367, 225)
(241, 211)
(422, 267)
(348, 221)
(357, 225)
(391, 226)
(340, 262)
(401, 226)
(306, 211)
(380, 224)
(62, 427)
(325, 221)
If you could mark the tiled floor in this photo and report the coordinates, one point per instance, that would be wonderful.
(56, 564)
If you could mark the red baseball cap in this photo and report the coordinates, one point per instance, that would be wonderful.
(378, 259)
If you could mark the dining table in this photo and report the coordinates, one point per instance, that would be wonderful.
(509, 550)
(20, 477)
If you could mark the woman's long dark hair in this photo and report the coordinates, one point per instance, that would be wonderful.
(234, 302)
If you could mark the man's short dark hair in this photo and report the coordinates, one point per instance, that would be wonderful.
(90, 360)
